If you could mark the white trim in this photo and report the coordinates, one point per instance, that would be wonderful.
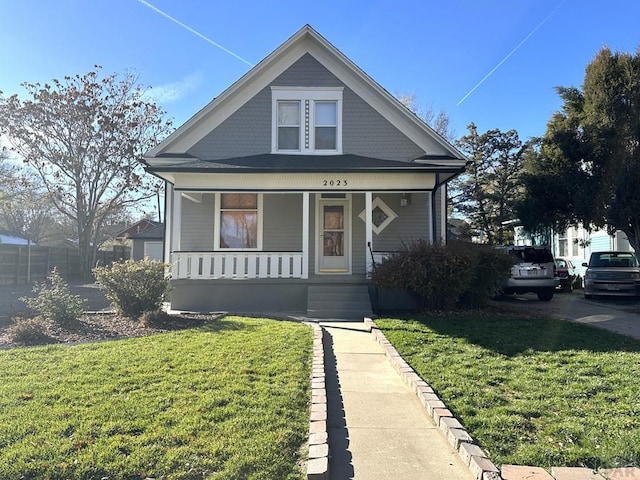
(307, 118)
(368, 221)
(442, 191)
(176, 221)
(314, 181)
(378, 203)
(216, 226)
(168, 222)
(305, 234)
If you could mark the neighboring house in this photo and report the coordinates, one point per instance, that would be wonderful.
(9, 238)
(140, 226)
(577, 243)
(283, 190)
(148, 243)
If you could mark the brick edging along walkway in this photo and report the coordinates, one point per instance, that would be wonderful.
(318, 463)
(471, 454)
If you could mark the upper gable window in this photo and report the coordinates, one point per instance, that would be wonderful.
(307, 121)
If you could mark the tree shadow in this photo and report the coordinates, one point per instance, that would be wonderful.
(512, 335)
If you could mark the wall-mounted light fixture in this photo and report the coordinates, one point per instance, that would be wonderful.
(405, 199)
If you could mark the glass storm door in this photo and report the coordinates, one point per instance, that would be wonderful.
(334, 241)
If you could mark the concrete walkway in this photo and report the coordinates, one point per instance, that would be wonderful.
(377, 426)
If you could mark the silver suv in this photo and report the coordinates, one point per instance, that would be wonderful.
(533, 271)
(612, 273)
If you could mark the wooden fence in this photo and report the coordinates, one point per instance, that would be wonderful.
(21, 264)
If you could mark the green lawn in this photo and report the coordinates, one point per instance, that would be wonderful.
(229, 400)
(532, 391)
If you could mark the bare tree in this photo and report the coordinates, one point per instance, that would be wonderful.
(84, 136)
(438, 120)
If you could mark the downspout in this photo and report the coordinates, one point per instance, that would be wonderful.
(434, 223)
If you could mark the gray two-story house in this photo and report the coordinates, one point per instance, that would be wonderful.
(284, 190)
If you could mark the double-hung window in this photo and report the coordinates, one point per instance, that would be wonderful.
(238, 221)
(307, 121)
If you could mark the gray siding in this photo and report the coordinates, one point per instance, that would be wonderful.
(358, 236)
(137, 249)
(197, 223)
(412, 222)
(367, 133)
(282, 224)
(307, 72)
(248, 131)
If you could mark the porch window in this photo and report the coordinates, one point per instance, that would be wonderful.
(238, 221)
(381, 215)
(307, 121)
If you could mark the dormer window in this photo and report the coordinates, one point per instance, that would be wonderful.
(307, 121)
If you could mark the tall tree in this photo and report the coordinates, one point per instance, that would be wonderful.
(438, 120)
(25, 206)
(84, 136)
(487, 192)
(588, 166)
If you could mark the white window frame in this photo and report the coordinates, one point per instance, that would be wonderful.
(307, 117)
(379, 203)
(216, 225)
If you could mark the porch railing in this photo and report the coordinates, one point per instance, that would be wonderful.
(236, 265)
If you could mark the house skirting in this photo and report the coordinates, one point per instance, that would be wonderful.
(263, 297)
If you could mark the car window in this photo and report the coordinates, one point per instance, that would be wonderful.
(561, 263)
(533, 255)
(613, 259)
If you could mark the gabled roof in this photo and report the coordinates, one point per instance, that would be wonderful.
(137, 228)
(154, 233)
(306, 40)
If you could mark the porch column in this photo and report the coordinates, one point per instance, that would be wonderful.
(168, 215)
(176, 223)
(443, 214)
(368, 229)
(432, 212)
(305, 234)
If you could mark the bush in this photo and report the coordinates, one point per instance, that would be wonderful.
(441, 277)
(29, 331)
(156, 319)
(55, 302)
(134, 287)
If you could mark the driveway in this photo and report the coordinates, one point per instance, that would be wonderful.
(621, 315)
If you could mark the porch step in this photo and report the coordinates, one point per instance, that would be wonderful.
(344, 302)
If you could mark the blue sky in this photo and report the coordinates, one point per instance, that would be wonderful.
(492, 62)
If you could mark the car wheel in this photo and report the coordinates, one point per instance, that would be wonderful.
(567, 287)
(545, 295)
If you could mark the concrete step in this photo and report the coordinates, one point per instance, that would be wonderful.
(338, 302)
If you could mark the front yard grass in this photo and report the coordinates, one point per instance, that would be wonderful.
(228, 400)
(532, 391)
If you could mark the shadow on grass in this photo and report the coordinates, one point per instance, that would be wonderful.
(514, 335)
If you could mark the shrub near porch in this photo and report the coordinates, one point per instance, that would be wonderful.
(229, 399)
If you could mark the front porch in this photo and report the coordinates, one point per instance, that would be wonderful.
(245, 266)
(333, 296)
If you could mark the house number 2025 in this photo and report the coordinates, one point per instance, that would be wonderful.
(334, 183)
